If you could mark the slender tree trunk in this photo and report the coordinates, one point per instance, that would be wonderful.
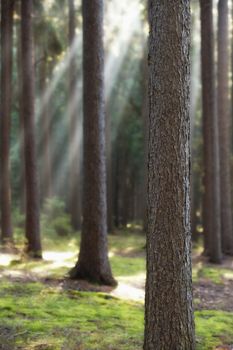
(93, 263)
(74, 191)
(224, 125)
(116, 188)
(169, 312)
(231, 78)
(31, 177)
(21, 123)
(7, 8)
(194, 207)
(211, 205)
(109, 171)
(146, 134)
(46, 183)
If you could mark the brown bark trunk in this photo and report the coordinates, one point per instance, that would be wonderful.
(116, 188)
(93, 263)
(145, 113)
(46, 182)
(224, 125)
(169, 313)
(231, 79)
(194, 207)
(74, 191)
(21, 123)
(7, 8)
(211, 205)
(31, 177)
(109, 171)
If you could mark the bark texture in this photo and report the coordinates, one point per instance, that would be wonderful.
(74, 191)
(211, 205)
(21, 122)
(31, 177)
(224, 128)
(93, 263)
(109, 170)
(7, 8)
(169, 312)
(46, 171)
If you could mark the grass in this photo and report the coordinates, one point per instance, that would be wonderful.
(43, 316)
(93, 320)
(213, 328)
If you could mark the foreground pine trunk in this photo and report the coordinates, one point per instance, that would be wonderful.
(224, 125)
(169, 314)
(32, 198)
(7, 7)
(93, 263)
(211, 205)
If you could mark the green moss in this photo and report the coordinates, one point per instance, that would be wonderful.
(36, 315)
(125, 243)
(124, 266)
(213, 328)
(38, 312)
(215, 274)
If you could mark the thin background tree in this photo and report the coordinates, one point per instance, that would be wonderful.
(7, 9)
(211, 203)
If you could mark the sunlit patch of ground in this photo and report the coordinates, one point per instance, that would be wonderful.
(6, 259)
(131, 287)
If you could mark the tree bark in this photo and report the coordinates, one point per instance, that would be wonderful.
(21, 123)
(194, 207)
(109, 170)
(145, 113)
(169, 312)
(7, 8)
(31, 177)
(211, 205)
(74, 191)
(93, 263)
(116, 186)
(46, 183)
(224, 125)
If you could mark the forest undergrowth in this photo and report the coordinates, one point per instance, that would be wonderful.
(41, 309)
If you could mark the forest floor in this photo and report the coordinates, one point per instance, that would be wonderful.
(41, 309)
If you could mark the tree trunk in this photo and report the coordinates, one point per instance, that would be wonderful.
(146, 134)
(46, 173)
(21, 123)
(74, 191)
(116, 178)
(93, 263)
(211, 205)
(194, 207)
(169, 312)
(224, 125)
(31, 177)
(7, 8)
(109, 171)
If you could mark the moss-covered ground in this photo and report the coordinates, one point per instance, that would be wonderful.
(40, 310)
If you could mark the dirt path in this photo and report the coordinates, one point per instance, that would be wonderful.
(207, 295)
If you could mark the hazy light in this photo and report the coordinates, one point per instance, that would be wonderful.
(122, 21)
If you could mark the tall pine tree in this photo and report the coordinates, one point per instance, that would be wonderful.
(33, 248)
(7, 8)
(93, 263)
